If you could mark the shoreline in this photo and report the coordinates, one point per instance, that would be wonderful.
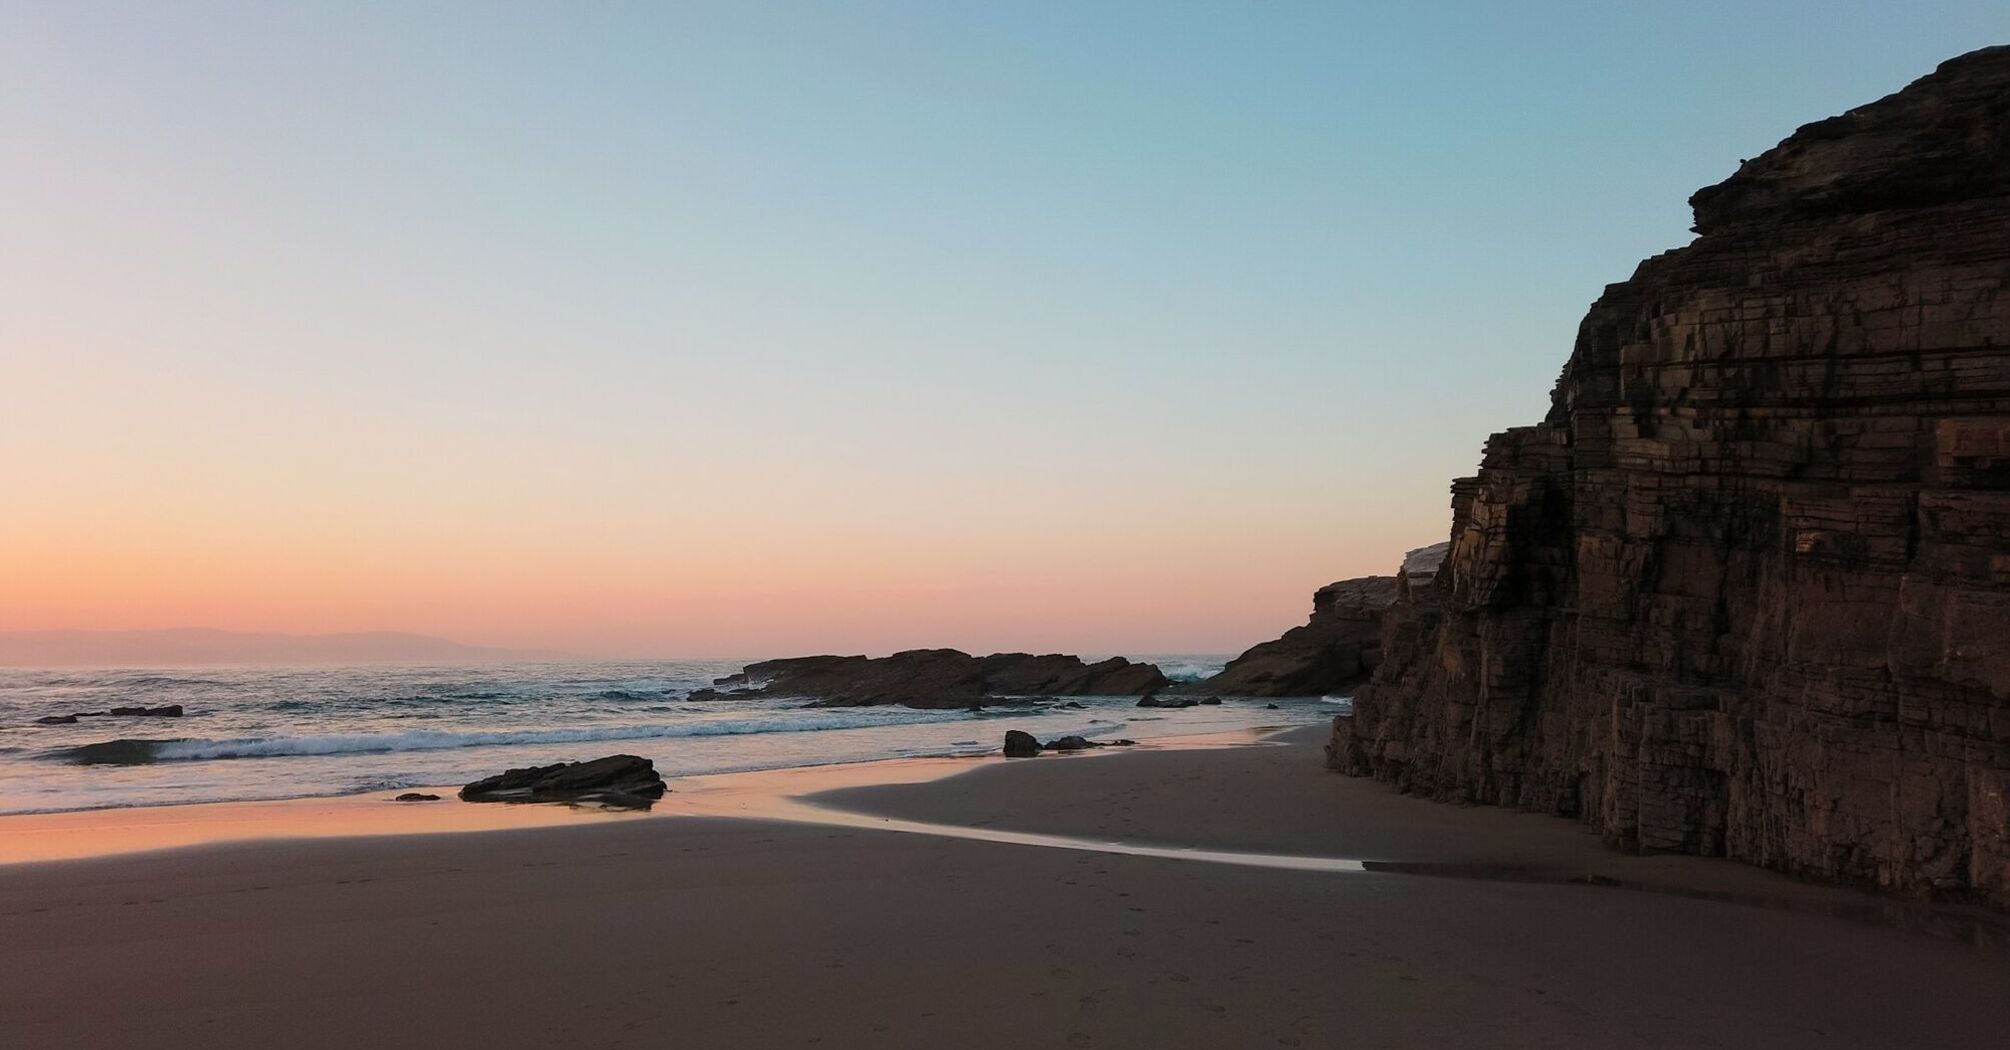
(919, 795)
(733, 928)
(111, 831)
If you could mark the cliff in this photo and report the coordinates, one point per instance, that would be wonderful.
(1746, 590)
(1337, 648)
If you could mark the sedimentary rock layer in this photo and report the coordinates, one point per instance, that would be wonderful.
(1746, 590)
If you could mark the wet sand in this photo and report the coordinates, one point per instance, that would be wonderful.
(711, 931)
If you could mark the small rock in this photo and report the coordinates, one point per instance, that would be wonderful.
(1212, 701)
(616, 780)
(416, 796)
(56, 720)
(170, 711)
(1020, 745)
(1071, 743)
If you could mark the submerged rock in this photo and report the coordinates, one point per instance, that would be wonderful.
(707, 695)
(1020, 744)
(1171, 702)
(170, 711)
(56, 720)
(616, 780)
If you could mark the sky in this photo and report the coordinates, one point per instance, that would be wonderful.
(749, 329)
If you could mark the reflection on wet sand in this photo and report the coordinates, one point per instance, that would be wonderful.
(789, 795)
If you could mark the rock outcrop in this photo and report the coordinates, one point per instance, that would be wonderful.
(1746, 590)
(616, 780)
(940, 678)
(1021, 744)
(1335, 650)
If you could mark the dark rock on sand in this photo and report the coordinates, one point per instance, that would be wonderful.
(1082, 743)
(617, 780)
(1212, 701)
(416, 796)
(1173, 702)
(1020, 744)
(56, 720)
(170, 711)
(1745, 591)
(943, 678)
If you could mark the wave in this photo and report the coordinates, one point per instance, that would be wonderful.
(637, 694)
(1190, 670)
(127, 751)
(151, 681)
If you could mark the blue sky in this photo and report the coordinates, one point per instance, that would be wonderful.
(981, 312)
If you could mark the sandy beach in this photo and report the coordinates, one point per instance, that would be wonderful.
(732, 932)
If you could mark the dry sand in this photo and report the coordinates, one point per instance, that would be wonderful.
(715, 932)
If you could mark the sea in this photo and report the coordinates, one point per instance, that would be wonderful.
(302, 732)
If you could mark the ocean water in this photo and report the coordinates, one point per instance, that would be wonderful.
(269, 733)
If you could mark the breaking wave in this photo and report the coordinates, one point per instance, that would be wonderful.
(141, 752)
(1191, 670)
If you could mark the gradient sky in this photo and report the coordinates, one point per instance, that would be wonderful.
(751, 329)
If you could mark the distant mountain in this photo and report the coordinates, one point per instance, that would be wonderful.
(173, 648)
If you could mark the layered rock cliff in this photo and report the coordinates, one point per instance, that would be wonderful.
(1746, 590)
(1336, 649)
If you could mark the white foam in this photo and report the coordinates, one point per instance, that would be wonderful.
(440, 740)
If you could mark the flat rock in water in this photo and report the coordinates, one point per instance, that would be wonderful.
(944, 679)
(170, 711)
(56, 720)
(616, 780)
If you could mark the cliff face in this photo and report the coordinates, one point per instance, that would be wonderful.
(1336, 650)
(1746, 590)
